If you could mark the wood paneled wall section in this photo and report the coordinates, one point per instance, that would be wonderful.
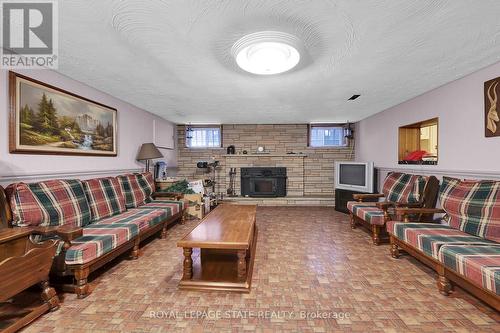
(409, 141)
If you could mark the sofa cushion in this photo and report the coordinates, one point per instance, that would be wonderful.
(367, 211)
(147, 182)
(105, 197)
(430, 237)
(472, 206)
(351, 204)
(171, 206)
(481, 264)
(49, 203)
(137, 188)
(99, 239)
(403, 187)
(142, 218)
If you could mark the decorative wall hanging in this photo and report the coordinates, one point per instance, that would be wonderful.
(49, 120)
(492, 120)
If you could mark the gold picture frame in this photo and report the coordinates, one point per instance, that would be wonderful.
(48, 120)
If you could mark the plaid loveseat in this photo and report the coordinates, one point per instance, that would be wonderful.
(464, 247)
(96, 219)
(398, 190)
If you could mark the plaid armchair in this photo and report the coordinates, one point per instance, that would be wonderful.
(398, 190)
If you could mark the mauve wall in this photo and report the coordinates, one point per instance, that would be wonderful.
(135, 126)
(464, 151)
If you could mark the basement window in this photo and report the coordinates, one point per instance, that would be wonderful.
(418, 143)
(203, 136)
(326, 135)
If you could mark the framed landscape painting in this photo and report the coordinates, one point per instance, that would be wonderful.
(49, 120)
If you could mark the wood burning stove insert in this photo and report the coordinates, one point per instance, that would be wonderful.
(263, 182)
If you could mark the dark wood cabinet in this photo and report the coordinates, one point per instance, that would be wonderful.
(344, 196)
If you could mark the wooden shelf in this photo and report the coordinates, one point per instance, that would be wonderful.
(418, 162)
(265, 155)
(317, 200)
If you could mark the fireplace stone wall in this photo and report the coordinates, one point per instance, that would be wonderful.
(310, 174)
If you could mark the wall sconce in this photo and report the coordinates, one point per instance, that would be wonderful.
(348, 131)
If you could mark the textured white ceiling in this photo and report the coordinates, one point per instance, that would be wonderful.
(172, 57)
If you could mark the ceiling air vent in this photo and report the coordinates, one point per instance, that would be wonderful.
(353, 97)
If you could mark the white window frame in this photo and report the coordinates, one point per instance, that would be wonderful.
(196, 130)
(313, 143)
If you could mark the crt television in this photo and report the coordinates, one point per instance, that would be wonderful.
(354, 176)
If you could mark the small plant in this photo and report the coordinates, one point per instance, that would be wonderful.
(180, 187)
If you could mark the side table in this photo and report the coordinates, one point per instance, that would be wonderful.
(22, 265)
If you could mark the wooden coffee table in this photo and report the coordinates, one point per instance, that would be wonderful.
(226, 237)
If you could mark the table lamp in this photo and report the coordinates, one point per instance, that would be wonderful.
(148, 152)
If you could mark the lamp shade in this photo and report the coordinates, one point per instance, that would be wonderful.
(148, 152)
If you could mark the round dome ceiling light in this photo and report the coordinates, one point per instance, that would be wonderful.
(267, 52)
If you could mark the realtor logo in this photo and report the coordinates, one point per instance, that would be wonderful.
(29, 34)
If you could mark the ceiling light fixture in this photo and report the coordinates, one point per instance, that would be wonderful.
(267, 52)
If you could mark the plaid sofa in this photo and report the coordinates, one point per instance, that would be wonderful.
(465, 246)
(398, 189)
(106, 215)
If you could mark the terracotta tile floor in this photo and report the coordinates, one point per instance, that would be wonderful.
(308, 259)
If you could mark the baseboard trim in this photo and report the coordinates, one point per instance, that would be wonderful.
(321, 201)
(33, 177)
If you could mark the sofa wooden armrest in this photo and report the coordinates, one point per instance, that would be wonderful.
(174, 195)
(404, 212)
(384, 205)
(408, 210)
(10, 234)
(66, 233)
(408, 205)
(362, 196)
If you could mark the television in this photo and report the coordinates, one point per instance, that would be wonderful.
(354, 176)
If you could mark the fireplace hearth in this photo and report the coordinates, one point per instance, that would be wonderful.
(263, 182)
